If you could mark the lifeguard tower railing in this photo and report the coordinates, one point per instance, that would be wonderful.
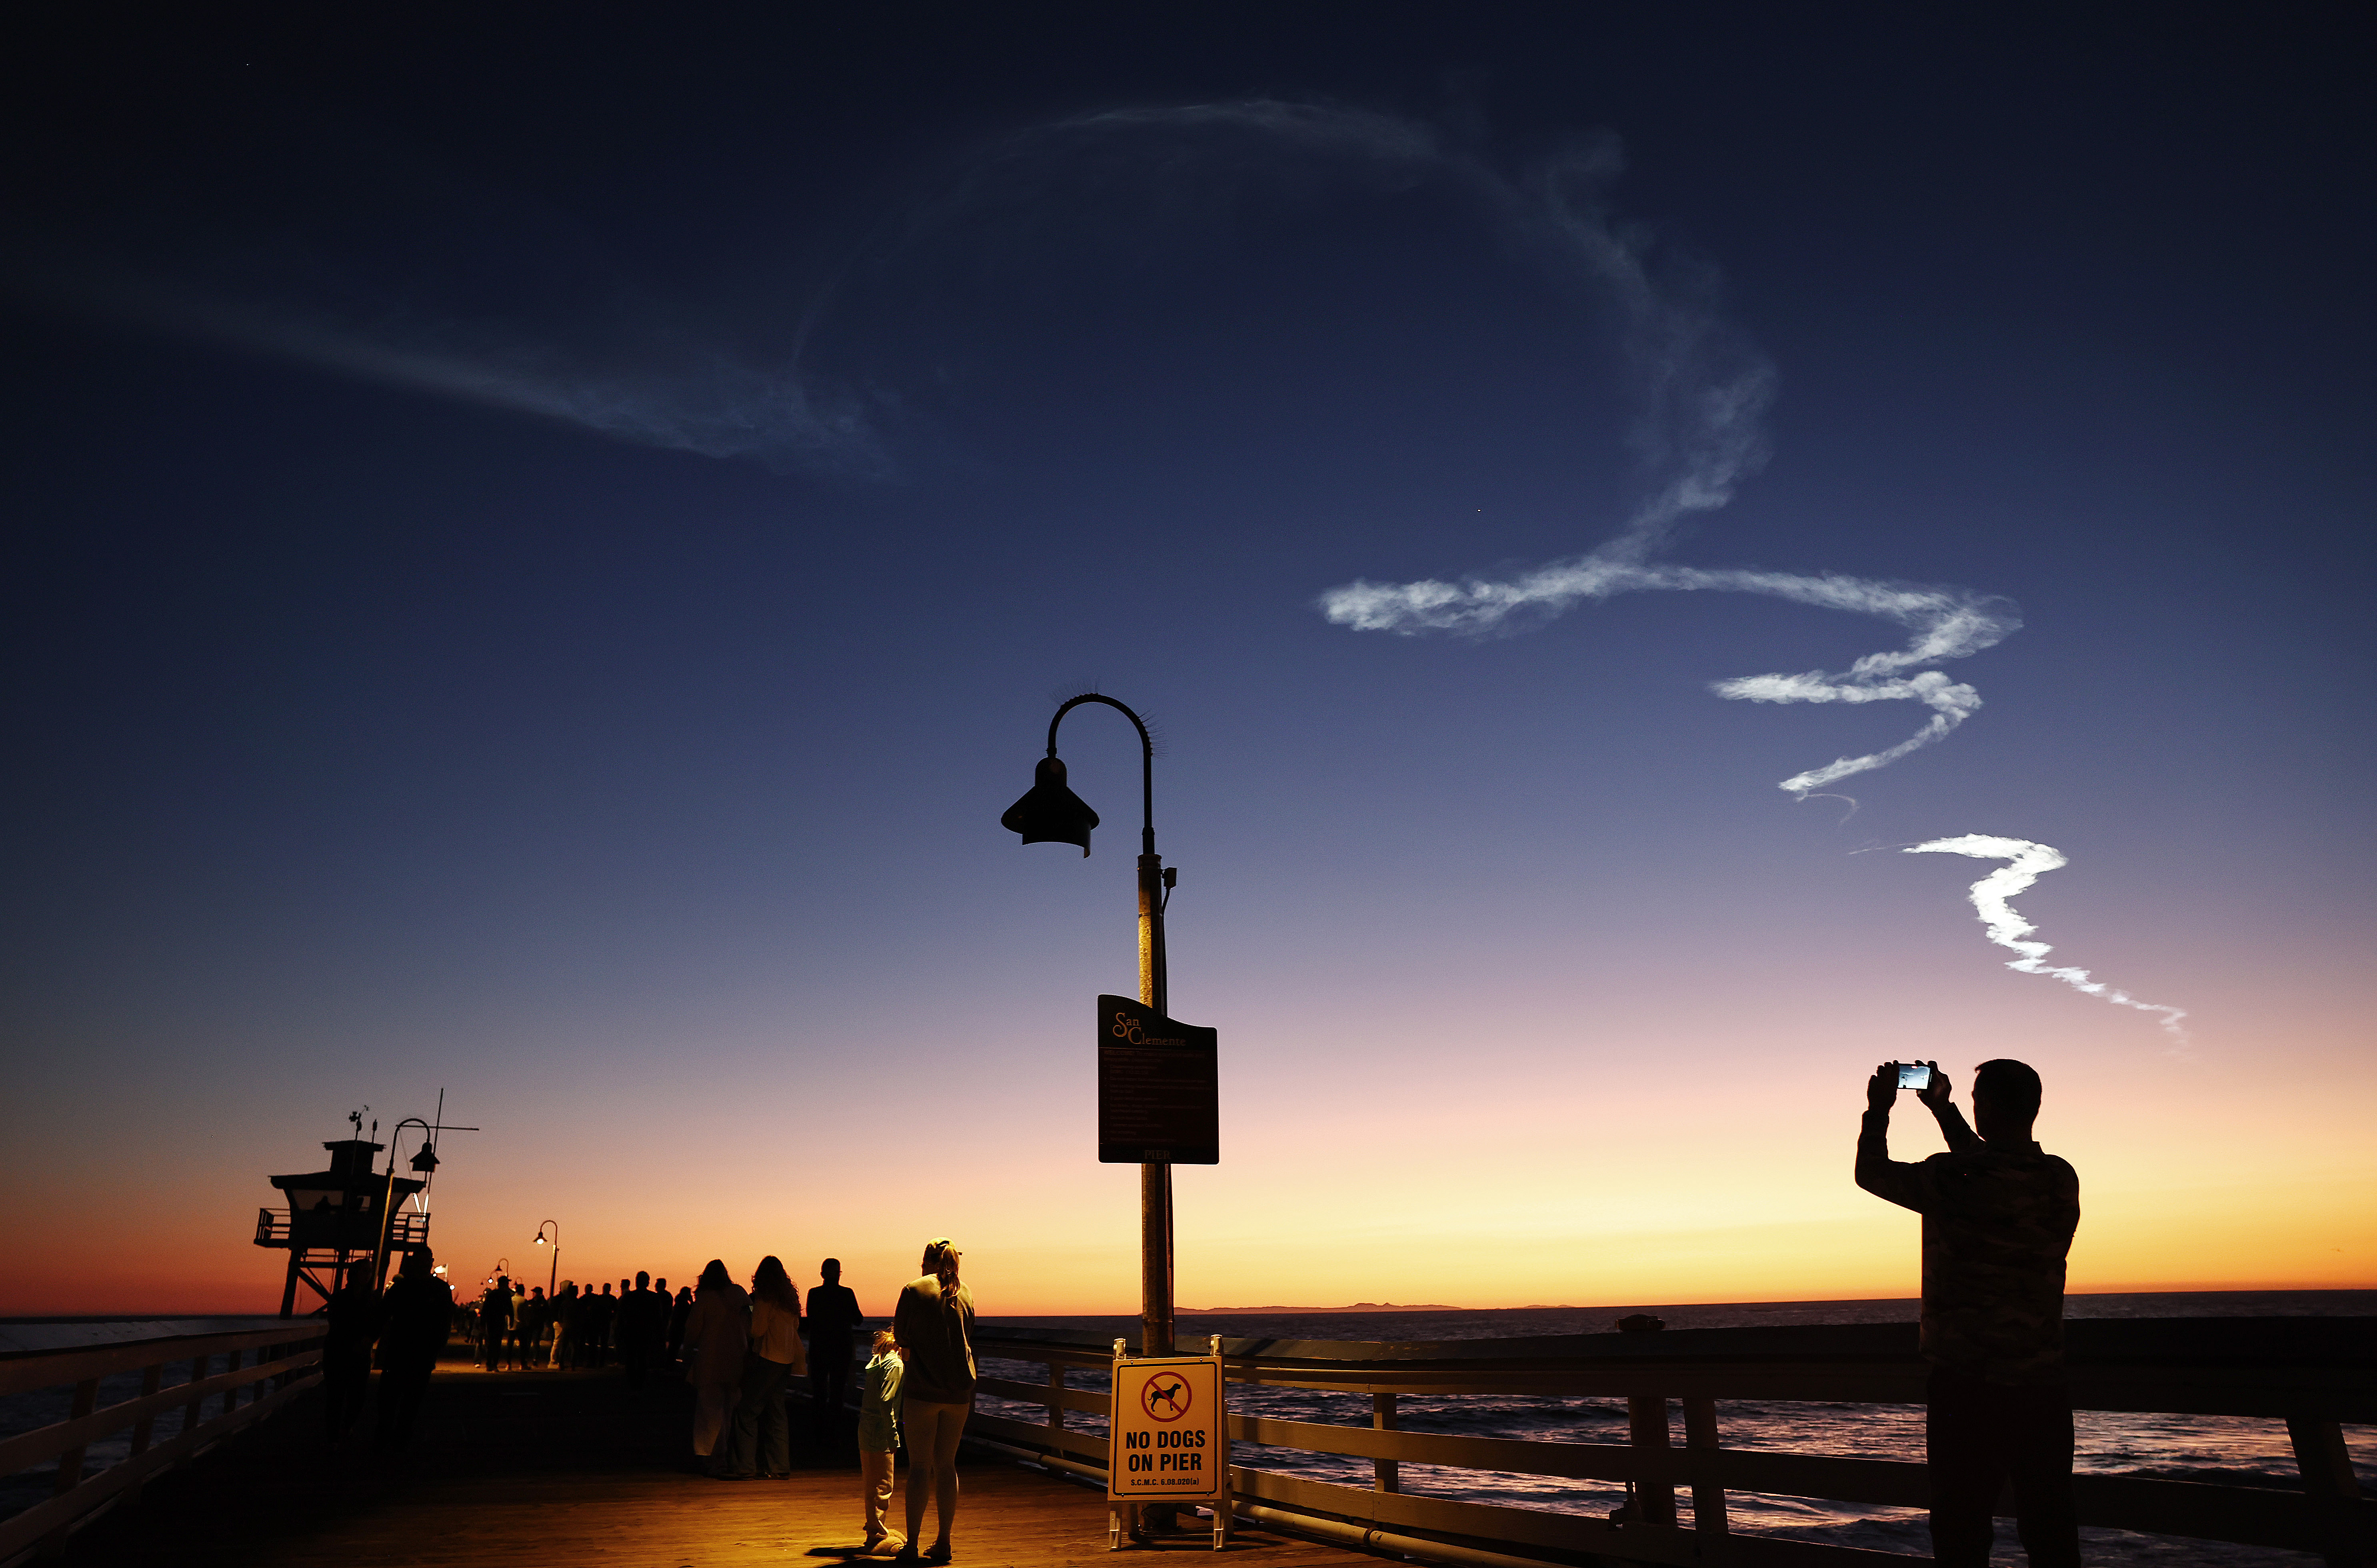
(2314, 1374)
(172, 1388)
(405, 1231)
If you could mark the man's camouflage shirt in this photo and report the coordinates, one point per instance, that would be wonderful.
(1998, 1219)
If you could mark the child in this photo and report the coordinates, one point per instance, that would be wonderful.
(878, 1434)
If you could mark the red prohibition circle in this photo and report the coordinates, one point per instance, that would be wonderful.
(1166, 1398)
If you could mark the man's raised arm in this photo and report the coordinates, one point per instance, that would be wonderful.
(1876, 1171)
(1952, 1127)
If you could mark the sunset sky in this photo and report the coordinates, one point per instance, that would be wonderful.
(541, 544)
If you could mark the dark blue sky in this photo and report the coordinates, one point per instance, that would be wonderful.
(541, 544)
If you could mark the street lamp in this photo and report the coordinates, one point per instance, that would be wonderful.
(1051, 813)
(552, 1272)
(424, 1160)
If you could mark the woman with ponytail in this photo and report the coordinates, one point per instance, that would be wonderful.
(934, 1324)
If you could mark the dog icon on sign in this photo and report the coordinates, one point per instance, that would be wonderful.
(1166, 1396)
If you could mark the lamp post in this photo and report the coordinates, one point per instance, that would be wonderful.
(424, 1160)
(553, 1271)
(1051, 813)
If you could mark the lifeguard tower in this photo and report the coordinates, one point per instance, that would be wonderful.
(338, 1220)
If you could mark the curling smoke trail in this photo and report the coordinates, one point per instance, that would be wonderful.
(2026, 863)
(1704, 394)
(1946, 623)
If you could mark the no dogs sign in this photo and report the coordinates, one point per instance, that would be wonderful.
(1169, 1435)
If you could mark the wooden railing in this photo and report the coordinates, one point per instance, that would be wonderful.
(244, 1376)
(272, 1229)
(2313, 1374)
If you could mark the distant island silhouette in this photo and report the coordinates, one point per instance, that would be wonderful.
(1356, 1307)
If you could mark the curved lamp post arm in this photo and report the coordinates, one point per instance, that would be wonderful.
(387, 1200)
(1146, 760)
(552, 1269)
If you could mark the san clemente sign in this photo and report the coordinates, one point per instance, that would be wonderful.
(1158, 1099)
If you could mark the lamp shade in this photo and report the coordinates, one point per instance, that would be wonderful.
(426, 1160)
(1049, 813)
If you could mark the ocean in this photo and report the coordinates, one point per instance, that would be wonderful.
(2226, 1449)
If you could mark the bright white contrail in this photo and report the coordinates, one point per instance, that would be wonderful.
(2026, 863)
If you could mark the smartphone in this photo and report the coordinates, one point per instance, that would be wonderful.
(1913, 1075)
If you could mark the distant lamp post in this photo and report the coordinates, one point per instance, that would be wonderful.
(1049, 813)
(552, 1270)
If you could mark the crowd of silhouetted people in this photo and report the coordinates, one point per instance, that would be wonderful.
(737, 1349)
(576, 1326)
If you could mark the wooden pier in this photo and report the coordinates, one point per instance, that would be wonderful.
(544, 1470)
(578, 1470)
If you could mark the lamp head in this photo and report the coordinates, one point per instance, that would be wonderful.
(426, 1160)
(1049, 813)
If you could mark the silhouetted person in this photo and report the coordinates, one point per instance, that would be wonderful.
(596, 1343)
(1998, 1217)
(347, 1351)
(414, 1318)
(661, 1351)
(763, 1436)
(643, 1324)
(934, 1324)
(532, 1315)
(680, 1311)
(568, 1317)
(718, 1330)
(834, 1317)
(496, 1321)
(519, 1339)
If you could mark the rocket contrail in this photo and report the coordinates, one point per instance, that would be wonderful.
(1703, 393)
(1702, 389)
(2026, 863)
(1947, 624)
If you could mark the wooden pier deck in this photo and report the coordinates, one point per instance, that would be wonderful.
(548, 1469)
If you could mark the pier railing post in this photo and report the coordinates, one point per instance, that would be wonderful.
(191, 1412)
(2326, 1466)
(86, 1399)
(1385, 1474)
(1708, 1520)
(1055, 1398)
(1646, 1421)
(152, 1378)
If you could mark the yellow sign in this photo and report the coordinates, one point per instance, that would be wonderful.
(1169, 1434)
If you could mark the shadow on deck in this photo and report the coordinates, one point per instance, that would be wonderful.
(573, 1469)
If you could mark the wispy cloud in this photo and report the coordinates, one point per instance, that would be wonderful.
(656, 387)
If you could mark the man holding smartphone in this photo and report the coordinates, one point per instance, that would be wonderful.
(1998, 1213)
